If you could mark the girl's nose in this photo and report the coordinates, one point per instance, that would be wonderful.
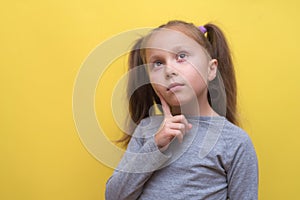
(170, 70)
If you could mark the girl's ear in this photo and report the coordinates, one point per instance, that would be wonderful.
(212, 69)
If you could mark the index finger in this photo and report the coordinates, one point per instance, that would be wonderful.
(165, 106)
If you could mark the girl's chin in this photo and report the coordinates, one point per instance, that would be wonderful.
(178, 102)
(174, 102)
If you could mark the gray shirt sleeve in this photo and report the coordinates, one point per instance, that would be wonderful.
(141, 158)
(242, 175)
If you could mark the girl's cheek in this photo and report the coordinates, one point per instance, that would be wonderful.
(155, 78)
(158, 88)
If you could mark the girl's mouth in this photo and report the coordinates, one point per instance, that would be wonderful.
(174, 87)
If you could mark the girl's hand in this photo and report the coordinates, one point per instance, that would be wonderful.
(172, 126)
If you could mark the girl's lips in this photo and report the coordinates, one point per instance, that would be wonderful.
(174, 86)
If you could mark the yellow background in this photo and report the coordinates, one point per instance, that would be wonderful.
(43, 44)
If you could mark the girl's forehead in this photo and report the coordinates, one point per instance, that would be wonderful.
(169, 40)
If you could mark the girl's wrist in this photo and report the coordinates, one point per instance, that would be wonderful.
(160, 147)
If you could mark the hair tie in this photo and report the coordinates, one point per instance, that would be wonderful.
(203, 29)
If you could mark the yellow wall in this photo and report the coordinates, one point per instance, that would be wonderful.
(43, 44)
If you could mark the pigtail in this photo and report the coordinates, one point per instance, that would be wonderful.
(226, 76)
(140, 94)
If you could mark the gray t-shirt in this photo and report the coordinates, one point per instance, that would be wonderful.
(216, 160)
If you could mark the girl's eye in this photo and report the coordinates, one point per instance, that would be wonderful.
(157, 64)
(181, 56)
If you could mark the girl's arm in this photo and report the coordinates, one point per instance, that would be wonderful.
(243, 173)
(140, 160)
(144, 156)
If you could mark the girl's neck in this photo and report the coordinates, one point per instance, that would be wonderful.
(194, 109)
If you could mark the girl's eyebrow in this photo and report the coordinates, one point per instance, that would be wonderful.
(154, 57)
(174, 50)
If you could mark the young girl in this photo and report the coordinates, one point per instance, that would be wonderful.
(194, 150)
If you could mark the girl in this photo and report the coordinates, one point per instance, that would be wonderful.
(194, 150)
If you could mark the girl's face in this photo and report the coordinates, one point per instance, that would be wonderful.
(179, 68)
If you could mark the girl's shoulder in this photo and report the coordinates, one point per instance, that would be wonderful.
(218, 130)
(219, 124)
(234, 133)
(235, 140)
